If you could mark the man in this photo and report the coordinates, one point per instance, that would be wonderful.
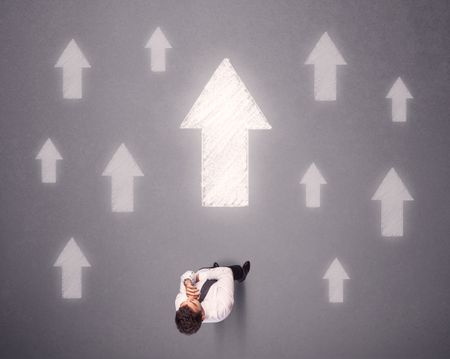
(207, 296)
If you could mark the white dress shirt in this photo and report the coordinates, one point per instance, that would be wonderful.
(220, 298)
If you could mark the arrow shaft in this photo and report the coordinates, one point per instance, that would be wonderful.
(48, 171)
(312, 195)
(392, 218)
(225, 167)
(398, 110)
(72, 88)
(336, 291)
(122, 193)
(71, 282)
(158, 59)
(325, 82)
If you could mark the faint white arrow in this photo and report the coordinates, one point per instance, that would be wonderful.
(72, 61)
(71, 260)
(158, 44)
(312, 180)
(122, 169)
(48, 155)
(399, 93)
(392, 192)
(325, 57)
(225, 111)
(336, 276)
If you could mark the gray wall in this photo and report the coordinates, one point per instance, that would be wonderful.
(397, 301)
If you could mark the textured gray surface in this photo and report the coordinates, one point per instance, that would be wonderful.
(398, 299)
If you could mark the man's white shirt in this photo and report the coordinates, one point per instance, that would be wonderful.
(220, 298)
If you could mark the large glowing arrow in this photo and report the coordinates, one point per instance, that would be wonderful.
(72, 62)
(71, 260)
(392, 193)
(325, 57)
(225, 111)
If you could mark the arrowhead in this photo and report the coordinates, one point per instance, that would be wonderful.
(122, 163)
(72, 57)
(312, 176)
(225, 100)
(399, 90)
(336, 271)
(392, 188)
(48, 152)
(325, 52)
(71, 256)
(158, 40)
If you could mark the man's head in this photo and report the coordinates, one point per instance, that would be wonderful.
(189, 316)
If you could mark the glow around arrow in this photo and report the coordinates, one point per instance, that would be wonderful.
(158, 44)
(71, 260)
(325, 57)
(399, 94)
(48, 155)
(72, 61)
(225, 111)
(392, 193)
(122, 168)
(336, 275)
(312, 180)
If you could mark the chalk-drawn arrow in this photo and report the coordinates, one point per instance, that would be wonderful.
(158, 44)
(336, 276)
(72, 62)
(122, 168)
(48, 155)
(325, 57)
(71, 260)
(399, 94)
(392, 193)
(312, 180)
(225, 111)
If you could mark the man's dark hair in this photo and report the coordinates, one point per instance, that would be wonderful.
(187, 321)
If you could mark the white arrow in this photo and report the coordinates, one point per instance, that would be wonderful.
(225, 111)
(336, 276)
(399, 93)
(325, 57)
(71, 260)
(72, 61)
(158, 44)
(312, 180)
(392, 192)
(48, 155)
(122, 168)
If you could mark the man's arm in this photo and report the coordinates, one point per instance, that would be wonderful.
(221, 307)
(182, 295)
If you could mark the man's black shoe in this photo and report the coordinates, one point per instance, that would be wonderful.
(215, 265)
(246, 269)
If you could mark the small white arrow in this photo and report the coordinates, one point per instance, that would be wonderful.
(122, 169)
(336, 276)
(325, 57)
(312, 180)
(158, 44)
(399, 93)
(72, 61)
(48, 155)
(392, 192)
(71, 260)
(225, 111)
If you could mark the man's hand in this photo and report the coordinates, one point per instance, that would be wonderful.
(191, 290)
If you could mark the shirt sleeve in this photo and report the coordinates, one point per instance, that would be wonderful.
(221, 307)
(181, 296)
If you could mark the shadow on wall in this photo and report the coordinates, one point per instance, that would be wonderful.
(232, 331)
